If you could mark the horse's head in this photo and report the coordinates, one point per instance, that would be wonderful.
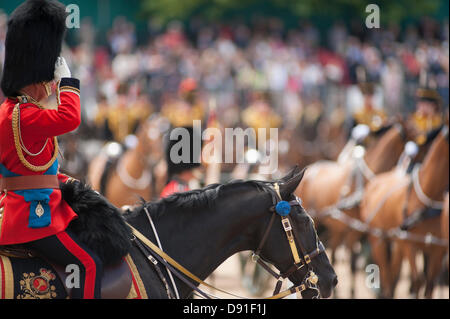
(277, 249)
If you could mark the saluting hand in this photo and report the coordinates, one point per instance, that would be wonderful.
(61, 69)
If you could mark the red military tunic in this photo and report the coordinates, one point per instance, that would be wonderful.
(36, 126)
(173, 187)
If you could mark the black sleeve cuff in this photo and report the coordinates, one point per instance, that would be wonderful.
(72, 82)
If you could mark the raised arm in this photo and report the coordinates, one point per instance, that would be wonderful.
(66, 118)
(49, 123)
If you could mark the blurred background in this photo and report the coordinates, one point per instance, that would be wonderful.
(300, 66)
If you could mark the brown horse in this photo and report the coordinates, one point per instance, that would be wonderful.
(326, 183)
(391, 199)
(444, 226)
(130, 178)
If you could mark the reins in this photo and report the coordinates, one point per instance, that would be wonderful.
(153, 253)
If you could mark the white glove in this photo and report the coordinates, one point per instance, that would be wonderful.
(360, 132)
(61, 69)
(411, 149)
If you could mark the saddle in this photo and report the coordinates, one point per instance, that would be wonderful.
(116, 280)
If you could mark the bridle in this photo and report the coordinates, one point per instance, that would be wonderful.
(279, 208)
(282, 208)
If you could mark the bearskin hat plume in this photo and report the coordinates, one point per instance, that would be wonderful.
(33, 42)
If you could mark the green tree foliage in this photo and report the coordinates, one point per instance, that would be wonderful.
(222, 10)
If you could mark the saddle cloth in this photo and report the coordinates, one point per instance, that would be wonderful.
(33, 278)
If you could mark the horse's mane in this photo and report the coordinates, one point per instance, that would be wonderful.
(191, 200)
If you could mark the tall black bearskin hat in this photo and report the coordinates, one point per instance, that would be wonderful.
(194, 148)
(33, 42)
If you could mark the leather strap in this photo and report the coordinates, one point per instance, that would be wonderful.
(28, 182)
(266, 234)
(290, 237)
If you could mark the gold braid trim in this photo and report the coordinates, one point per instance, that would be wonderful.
(8, 280)
(23, 160)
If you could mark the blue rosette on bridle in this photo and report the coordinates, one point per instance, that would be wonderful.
(283, 208)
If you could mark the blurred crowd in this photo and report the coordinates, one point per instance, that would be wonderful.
(255, 75)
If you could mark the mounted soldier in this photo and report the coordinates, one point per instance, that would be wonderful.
(428, 116)
(33, 211)
(368, 114)
(186, 107)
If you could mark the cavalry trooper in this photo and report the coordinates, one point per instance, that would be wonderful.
(33, 211)
(260, 114)
(182, 153)
(118, 116)
(428, 116)
(367, 113)
(187, 107)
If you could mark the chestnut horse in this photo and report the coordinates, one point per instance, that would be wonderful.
(129, 178)
(392, 200)
(326, 183)
(444, 226)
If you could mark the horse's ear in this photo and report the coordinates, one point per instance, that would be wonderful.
(292, 173)
(289, 186)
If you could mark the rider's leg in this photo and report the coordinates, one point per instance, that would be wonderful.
(64, 248)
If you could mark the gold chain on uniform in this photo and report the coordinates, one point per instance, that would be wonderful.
(16, 133)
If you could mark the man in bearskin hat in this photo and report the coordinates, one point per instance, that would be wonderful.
(33, 212)
(182, 152)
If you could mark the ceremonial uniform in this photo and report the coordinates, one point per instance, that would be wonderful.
(188, 108)
(33, 212)
(174, 186)
(424, 123)
(371, 117)
(368, 115)
(260, 115)
(23, 219)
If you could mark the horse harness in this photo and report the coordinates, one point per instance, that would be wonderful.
(154, 254)
(310, 280)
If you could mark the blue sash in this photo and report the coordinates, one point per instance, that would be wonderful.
(40, 215)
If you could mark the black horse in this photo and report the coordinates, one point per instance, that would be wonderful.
(200, 229)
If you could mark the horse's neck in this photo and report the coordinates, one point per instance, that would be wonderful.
(385, 153)
(135, 164)
(433, 174)
(203, 240)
